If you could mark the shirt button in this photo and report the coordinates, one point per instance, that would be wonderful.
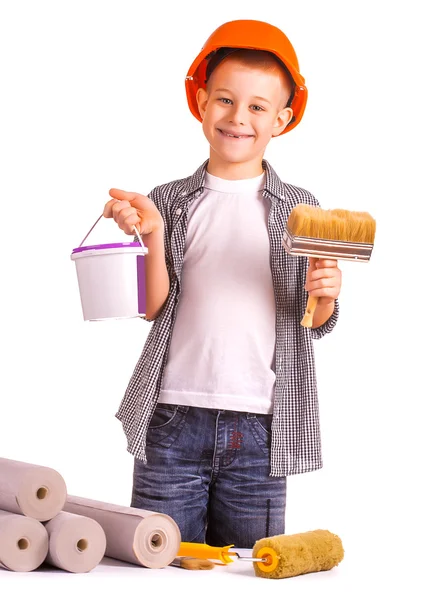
(178, 211)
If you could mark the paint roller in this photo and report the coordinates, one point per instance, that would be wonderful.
(280, 556)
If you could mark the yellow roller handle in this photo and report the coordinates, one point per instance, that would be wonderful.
(204, 551)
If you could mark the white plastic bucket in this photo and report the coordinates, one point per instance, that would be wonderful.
(111, 280)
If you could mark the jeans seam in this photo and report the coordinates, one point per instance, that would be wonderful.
(267, 517)
(214, 470)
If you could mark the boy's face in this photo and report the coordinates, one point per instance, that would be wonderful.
(246, 102)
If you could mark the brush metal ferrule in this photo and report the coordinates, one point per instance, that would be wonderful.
(323, 248)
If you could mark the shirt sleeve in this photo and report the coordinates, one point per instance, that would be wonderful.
(160, 203)
(328, 326)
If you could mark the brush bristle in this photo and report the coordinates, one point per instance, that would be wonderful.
(196, 564)
(337, 224)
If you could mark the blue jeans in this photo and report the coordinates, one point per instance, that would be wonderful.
(209, 470)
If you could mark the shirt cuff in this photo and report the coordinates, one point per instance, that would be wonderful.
(328, 326)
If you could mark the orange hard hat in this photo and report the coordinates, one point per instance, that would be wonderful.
(255, 35)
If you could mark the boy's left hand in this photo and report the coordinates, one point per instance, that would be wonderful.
(323, 280)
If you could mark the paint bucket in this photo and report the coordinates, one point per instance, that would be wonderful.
(111, 279)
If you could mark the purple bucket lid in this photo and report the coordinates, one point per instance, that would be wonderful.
(105, 246)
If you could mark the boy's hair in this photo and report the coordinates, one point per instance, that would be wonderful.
(257, 58)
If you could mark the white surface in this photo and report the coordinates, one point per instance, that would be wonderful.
(234, 580)
(86, 106)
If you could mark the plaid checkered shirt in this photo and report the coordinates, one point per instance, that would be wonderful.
(295, 440)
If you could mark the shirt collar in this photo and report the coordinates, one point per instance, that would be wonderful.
(273, 185)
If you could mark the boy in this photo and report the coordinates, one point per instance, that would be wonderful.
(222, 404)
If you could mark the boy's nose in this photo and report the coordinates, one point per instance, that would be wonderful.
(238, 115)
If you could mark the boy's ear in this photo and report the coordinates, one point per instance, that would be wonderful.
(202, 101)
(282, 120)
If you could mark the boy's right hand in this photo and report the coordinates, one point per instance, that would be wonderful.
(128, 209)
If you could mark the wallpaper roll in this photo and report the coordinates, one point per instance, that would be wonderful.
(76, 543)
(132, 535)
(31, 490)
(23, 542)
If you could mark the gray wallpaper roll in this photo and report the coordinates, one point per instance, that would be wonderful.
(133, 535)
(76, 543)
(31, 490)
(23, 542)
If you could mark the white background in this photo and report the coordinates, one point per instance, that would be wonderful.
(92, 97)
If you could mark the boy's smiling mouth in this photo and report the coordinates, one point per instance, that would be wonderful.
(233, 135)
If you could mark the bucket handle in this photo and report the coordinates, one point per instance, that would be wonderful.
(134, 227)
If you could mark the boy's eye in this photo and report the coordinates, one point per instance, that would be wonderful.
(255, 107)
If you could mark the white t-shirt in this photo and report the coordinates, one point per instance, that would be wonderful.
(223, 341)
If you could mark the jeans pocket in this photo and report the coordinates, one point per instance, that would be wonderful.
(261, 430)
(163, 415)
(166, 424)
(265, 422)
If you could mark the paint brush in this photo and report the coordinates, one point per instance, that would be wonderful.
(328, 234)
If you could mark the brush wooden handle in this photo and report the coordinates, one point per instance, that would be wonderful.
(308, 317)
